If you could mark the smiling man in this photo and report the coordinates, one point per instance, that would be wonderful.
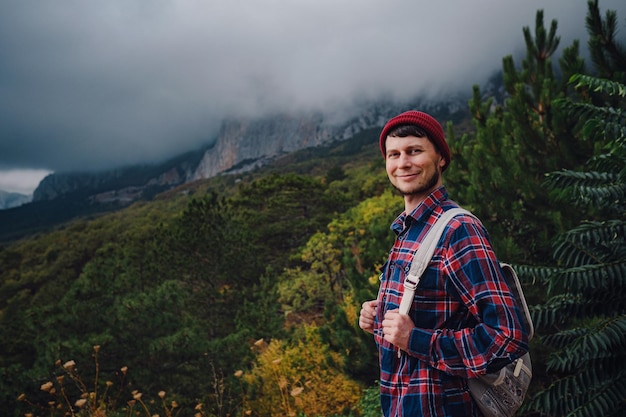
(463, 321)
(414, 163)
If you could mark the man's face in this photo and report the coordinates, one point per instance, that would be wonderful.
(413, 165)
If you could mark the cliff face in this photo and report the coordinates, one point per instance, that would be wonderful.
(243, 145)
(247, 144)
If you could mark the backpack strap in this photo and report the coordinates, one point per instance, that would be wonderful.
(423, 255)
(516, 288)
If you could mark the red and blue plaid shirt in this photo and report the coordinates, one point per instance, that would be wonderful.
(466, 321)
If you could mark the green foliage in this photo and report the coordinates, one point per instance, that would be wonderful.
(587, 314)
(596, 85)
(608, 56)
(283, 211)
(261, 315)
(120, 302)
(307, 291)
(369, 404)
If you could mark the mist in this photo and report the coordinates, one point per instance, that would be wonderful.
(95, 85)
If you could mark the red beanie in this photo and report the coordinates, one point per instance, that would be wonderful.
(431, 126)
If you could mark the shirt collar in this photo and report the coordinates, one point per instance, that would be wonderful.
(423, 211)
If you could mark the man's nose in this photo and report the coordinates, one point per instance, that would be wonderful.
(404, 159)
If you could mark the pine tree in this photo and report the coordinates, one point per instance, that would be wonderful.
(608, 56)
(498, 170)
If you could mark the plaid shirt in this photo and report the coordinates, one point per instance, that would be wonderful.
(466, 322)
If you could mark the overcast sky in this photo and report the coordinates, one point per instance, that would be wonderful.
(96, 84)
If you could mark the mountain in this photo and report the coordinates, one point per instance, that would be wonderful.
(120, 186)
(9, 200)
(242, 145)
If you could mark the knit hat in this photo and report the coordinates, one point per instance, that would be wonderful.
(431, 126)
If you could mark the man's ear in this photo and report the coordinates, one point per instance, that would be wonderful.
(442, 161)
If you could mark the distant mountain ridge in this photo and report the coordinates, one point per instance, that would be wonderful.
(122, 185)
(242, 145)
(10, 200)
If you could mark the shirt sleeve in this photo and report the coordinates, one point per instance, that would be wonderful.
(498, 336)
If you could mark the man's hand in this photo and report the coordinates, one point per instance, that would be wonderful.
(366, 318)
(397, 329)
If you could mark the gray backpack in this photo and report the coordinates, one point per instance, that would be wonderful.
(498, 394)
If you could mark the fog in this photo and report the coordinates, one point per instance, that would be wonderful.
(95, 85)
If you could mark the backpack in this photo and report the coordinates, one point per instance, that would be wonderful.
(501, 393)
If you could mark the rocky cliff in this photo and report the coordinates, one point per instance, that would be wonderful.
(243, 145)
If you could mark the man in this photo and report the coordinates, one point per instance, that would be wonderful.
(463, 321)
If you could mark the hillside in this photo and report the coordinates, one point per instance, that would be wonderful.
(166, 257)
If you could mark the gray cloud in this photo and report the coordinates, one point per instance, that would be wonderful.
(92, 85)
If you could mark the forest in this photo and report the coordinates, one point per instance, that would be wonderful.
(239, 295)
